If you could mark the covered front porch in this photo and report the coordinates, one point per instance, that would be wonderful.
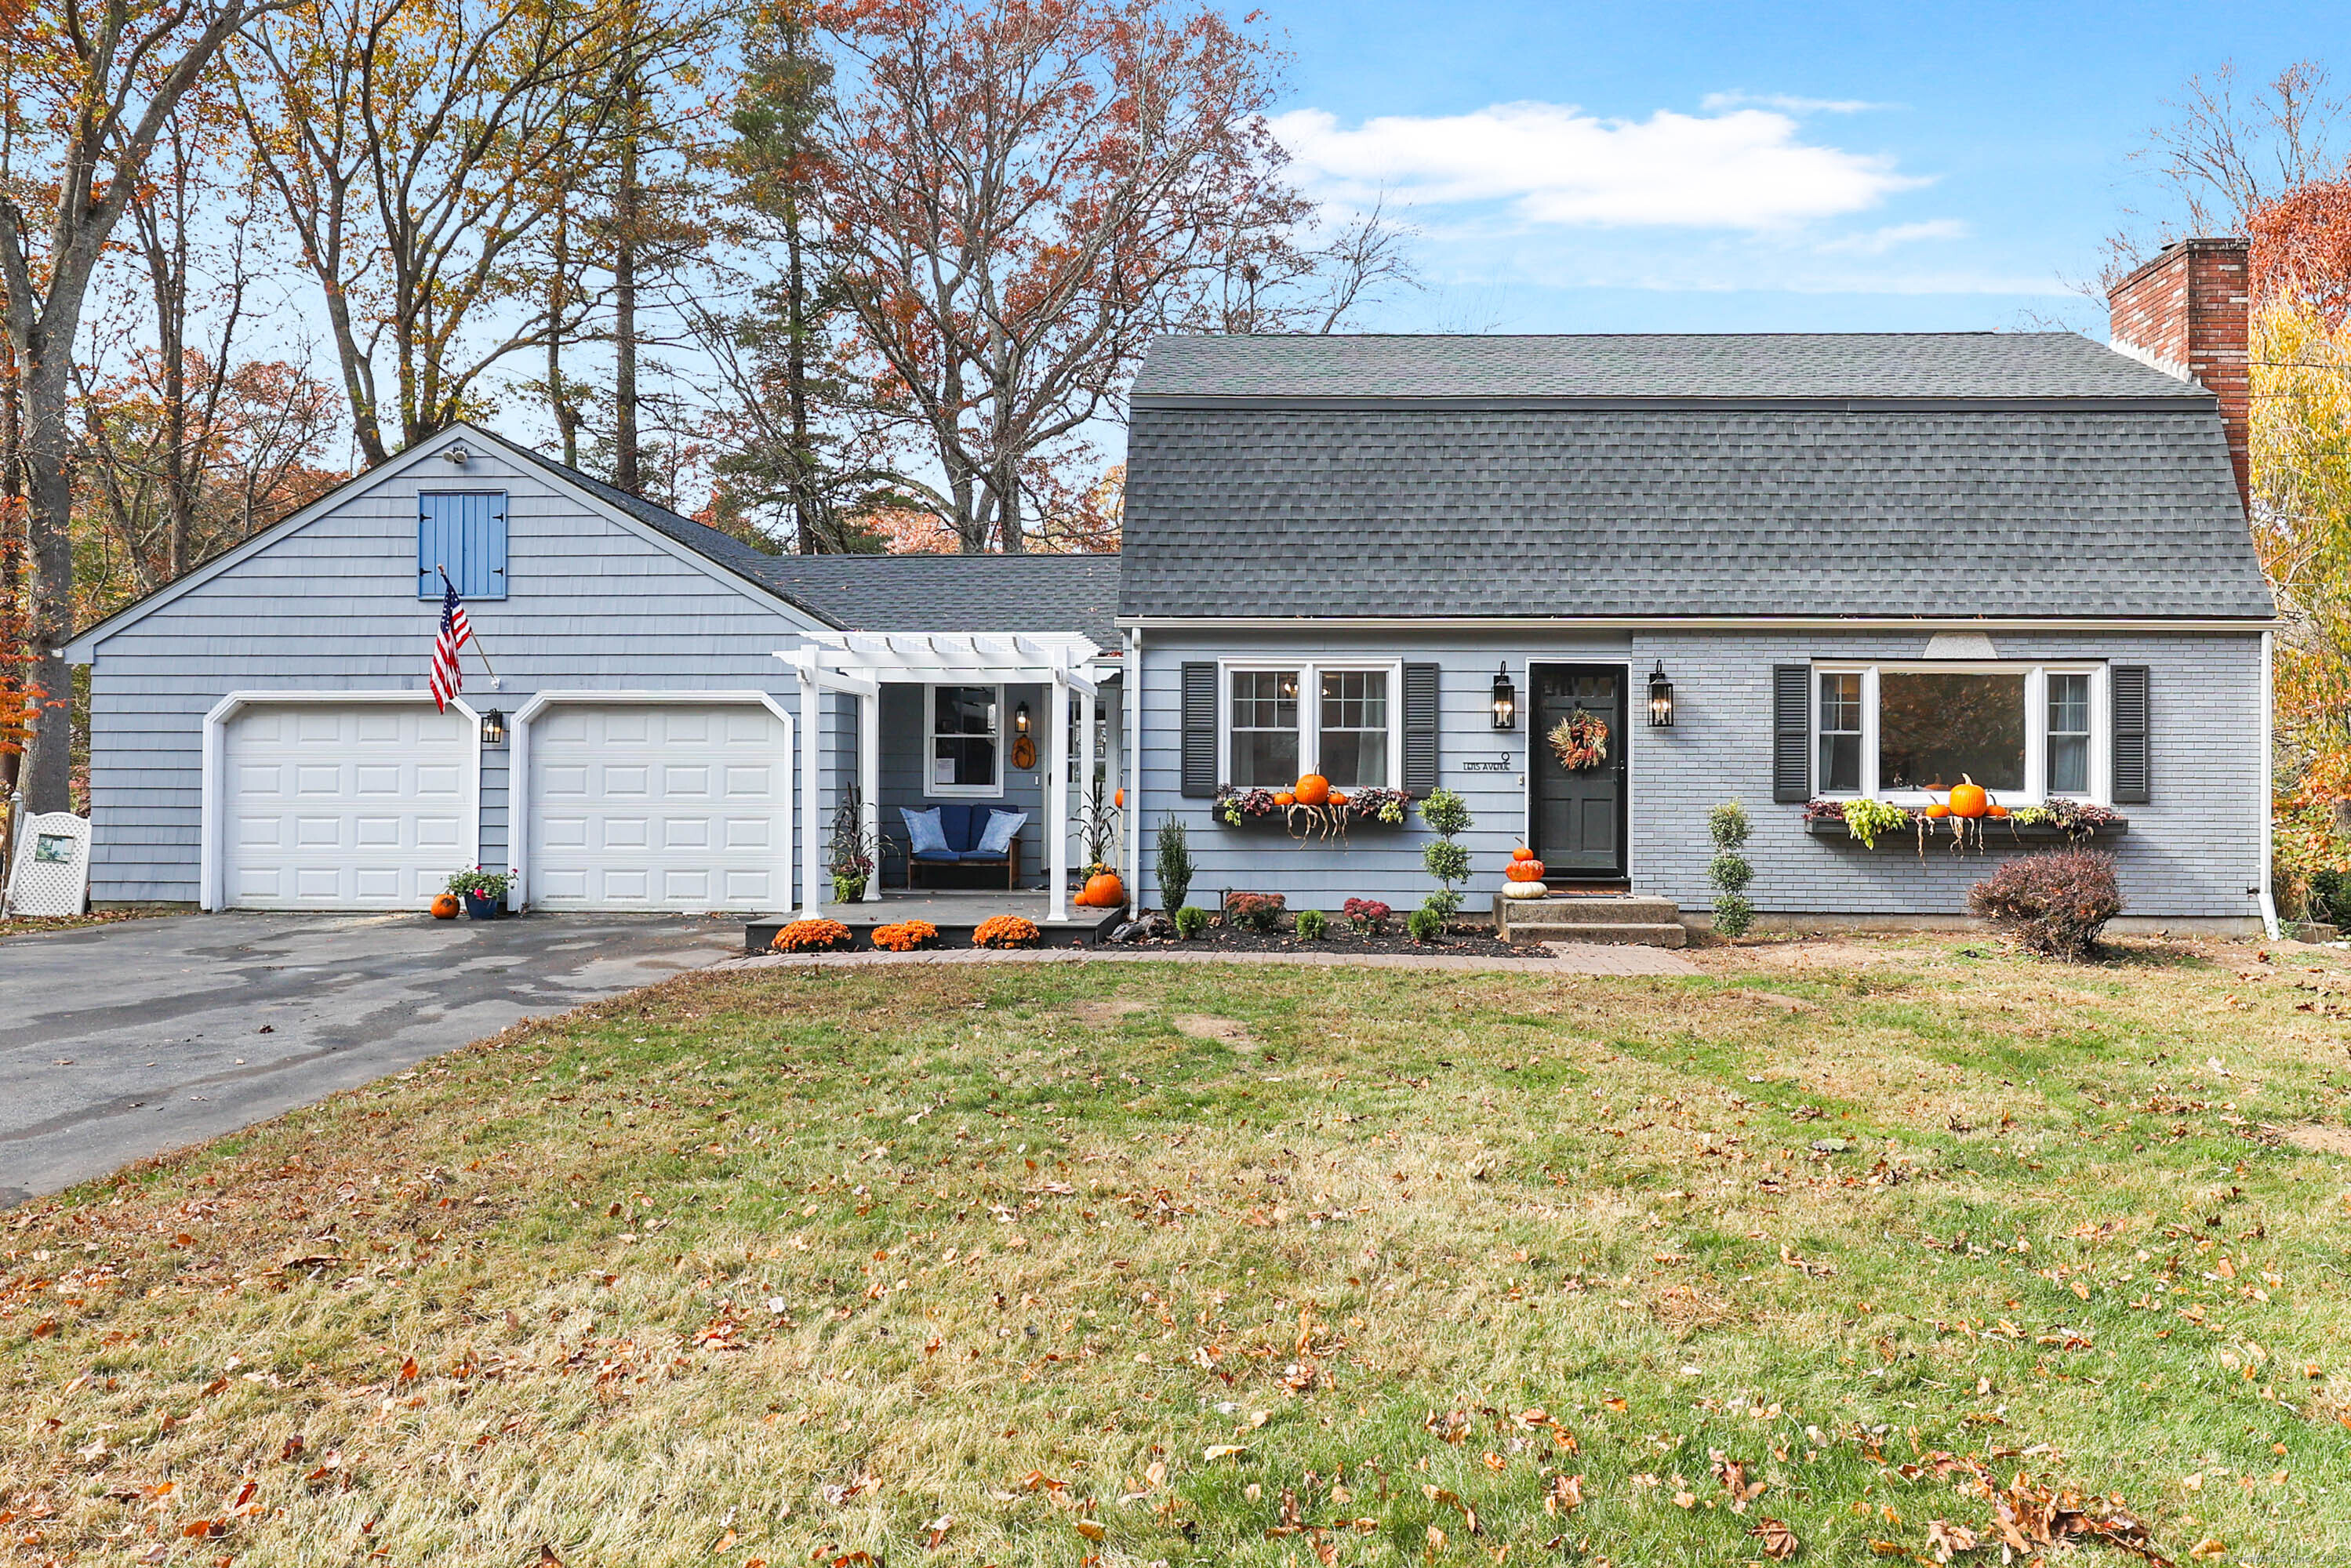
(968, 731)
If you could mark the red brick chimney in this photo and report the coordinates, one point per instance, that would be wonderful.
(2188, 312)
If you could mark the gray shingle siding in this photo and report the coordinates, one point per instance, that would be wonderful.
(333, 606)
(2194, 850)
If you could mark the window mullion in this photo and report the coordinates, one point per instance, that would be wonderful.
(1869, 731)
(2036, 733)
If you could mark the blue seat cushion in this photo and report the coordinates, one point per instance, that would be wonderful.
(996, 838)
(956, 822)
(925, 834)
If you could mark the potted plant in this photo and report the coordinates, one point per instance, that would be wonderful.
(848, 853)
(484, 890)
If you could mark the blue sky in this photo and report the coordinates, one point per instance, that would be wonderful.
(1657, 167)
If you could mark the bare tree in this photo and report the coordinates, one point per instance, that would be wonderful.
(90, 92)
(408, 143)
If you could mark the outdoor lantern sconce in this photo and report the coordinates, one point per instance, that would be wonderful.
(1020, 720)
(1661, 698)
(493, 727)
(1505, 700)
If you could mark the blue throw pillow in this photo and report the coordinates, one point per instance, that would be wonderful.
(925, 838)
(1001, 827)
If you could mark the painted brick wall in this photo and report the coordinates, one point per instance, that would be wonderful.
(2188, 310)
(2193, 851)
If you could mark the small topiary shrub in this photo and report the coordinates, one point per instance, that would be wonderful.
(1313, 925)
(1727, 825)
(1427, 924)
(1190, 922)
(812, 937)
(2054, 903)
(1259, 912)
(1175, 868)
(1368, 916)
(1005, 931)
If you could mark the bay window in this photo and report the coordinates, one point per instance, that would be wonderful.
(1908, 733)
(1283, 721)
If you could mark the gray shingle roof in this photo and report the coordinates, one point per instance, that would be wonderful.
(1770, 365)
(1433, 509)
(1034, 593)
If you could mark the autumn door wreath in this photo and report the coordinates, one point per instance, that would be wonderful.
(1580, 741)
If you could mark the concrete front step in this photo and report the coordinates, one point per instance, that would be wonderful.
(1617, 917)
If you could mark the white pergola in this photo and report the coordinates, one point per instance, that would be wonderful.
(859, 664)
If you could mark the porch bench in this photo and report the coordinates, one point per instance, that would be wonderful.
(963, 827)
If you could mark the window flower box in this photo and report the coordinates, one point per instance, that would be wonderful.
(1260, 811)
(2064, 823)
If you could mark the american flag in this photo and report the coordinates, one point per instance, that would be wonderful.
(448, 680)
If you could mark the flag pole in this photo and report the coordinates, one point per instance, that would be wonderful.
(497, 683)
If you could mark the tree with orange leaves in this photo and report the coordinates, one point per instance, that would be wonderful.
(1020, 193)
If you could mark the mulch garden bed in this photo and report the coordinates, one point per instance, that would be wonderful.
(1472, 943)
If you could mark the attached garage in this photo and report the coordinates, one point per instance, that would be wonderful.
(646, 802)
(341, 804)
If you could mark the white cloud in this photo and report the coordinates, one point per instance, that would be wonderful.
(1714, 103)
(1552, 164)
(1877, 242)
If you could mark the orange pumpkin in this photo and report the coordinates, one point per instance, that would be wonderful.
(1522, 853)
(1938, 811)
(446, 907)
(1527, 870)
(1995, 810)
(1314, 790)
(1103, 891)
(1335, 798)
(1118, 797)
(1286, 798)
(1969, 798)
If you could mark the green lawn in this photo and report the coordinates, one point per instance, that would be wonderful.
(1157, 1264)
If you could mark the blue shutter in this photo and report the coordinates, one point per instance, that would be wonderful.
(466, 533)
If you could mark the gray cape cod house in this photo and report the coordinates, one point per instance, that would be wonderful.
(1790, 570)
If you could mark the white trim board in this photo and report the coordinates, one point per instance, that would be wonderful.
(210, 893)
(519, 803)
(1568, 624)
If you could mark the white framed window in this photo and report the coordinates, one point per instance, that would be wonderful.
(967, 741)
(1278, 721)
(1906, 732)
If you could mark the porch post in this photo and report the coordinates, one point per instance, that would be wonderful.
(1114, 733)
(1057, 797)
(869, 782)
(1130, 741)
(1086, 716)
(811, 789)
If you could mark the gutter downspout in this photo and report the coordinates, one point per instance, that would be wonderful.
(2269, 786)
(1131, 743)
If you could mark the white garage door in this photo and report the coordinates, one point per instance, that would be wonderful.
(659, 806)
(360, 807)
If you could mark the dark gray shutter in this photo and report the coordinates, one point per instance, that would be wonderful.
(1791, 732)
(1200, 730)
(1420, 730)
(2130, 735)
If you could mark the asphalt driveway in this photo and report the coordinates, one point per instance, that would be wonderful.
(122, 1041)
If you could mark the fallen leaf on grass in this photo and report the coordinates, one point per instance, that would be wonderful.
(1947, 1540)
(1565, 1496)
(1222, 1451)
(1780, 1543)
(2209, 1547)
(1089, 1528)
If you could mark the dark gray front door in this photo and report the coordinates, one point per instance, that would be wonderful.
(1579, 815)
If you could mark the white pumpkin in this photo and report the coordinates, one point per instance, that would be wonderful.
(1525, 889)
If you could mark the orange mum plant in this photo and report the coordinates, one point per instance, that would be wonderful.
(905, 936)
(812, 937)
(1005, 931)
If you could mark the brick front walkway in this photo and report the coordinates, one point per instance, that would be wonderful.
(1566, 958)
